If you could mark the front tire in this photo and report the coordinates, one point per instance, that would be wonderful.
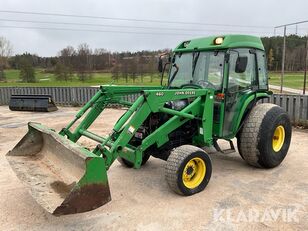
(265, 137)
(188, 170)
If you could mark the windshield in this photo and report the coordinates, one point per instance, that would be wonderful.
(200, 68)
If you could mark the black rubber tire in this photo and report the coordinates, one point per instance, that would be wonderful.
(176, 163)
(128, 164)
(238, 145)
(255, 138)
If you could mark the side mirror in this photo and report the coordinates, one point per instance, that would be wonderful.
(241, 64)
(160, 65)
(160, 61)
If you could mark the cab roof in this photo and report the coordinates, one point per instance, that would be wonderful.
(229, 41)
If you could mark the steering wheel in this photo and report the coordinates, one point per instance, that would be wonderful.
(205, 84)
(191, 85)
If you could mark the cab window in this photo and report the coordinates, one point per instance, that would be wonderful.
(242, 70)
(262, 73)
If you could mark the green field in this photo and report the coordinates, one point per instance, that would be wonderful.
(44, 79)
(291, 80)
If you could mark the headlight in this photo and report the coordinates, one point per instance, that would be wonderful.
(218, 41)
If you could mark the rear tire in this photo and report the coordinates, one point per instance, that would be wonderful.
(265, 137)
(239, 145)
(188, 170)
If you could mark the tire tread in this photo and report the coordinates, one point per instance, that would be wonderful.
(250, 132)
(177, 156)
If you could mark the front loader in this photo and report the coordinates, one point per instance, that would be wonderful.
(213, 92)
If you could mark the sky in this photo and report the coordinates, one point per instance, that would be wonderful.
(179, 20)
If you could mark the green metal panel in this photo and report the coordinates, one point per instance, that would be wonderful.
(241, 108)
(258, 96)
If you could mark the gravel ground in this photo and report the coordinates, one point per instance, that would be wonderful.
(238, 197)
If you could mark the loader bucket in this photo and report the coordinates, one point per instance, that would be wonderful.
(40, 103)
(62, 176)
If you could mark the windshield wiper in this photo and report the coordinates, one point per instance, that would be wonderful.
(195, 60)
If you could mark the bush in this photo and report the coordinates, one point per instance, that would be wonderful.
(27, 73)
(2, 75)
(84, 75)
(62, 72)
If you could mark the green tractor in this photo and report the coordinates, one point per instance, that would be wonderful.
(213, 92)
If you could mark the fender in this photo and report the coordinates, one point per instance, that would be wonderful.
(245, 110)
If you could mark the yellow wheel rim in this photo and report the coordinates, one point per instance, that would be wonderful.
(278, 138)
(194, 173)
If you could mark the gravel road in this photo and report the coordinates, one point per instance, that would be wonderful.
(238, 197)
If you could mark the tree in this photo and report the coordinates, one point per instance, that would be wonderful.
(125, 68)
(101, 59)
(5, 52)
(66, 56)
(84, 62)
(152, 68)
(115, 72)
(133, 69)
(27, 73)
(64, 67)
(63, 72)
(270, 59)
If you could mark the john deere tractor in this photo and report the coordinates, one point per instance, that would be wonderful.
(213, 92)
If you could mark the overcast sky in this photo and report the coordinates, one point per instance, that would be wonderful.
(262, 13)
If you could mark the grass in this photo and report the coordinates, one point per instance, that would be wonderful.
(44, 79)
(292, 80)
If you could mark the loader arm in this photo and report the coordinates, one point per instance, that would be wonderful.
(154, 101)
(151, 100)
(106, 95)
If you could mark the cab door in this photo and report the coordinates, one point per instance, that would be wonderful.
(241, 84)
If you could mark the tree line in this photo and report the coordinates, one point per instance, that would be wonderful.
(295, 52)
(83, 61)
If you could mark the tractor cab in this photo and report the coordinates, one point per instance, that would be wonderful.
(233, 65)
